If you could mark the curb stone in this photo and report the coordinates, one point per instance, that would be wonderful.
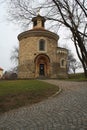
(57, 93)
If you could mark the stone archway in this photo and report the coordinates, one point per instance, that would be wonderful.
(42, 66)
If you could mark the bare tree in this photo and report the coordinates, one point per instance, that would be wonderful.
(21, 12)
(69, 59)
(14, 58)
(82, 6)
(71, 14)
(73, 64)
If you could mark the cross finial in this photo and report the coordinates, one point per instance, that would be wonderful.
(38, 11)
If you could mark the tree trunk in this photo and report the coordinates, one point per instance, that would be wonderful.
(85, 73)
(85, 70)
(80, 45)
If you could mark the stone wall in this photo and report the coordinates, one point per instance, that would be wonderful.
(29, 50)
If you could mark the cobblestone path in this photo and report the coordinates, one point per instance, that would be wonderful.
(66, 111)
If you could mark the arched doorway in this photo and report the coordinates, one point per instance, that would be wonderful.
(42, 66)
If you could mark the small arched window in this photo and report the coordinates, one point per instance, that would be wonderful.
(35, 23)
(62, 63)
(42, 45)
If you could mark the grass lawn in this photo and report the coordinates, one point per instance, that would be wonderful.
(17, 93)
(77, 77)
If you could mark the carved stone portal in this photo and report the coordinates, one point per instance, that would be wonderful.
(42, 65)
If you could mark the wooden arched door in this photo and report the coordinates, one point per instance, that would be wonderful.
(42, 65)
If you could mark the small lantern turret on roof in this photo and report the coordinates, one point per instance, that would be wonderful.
(38, 21)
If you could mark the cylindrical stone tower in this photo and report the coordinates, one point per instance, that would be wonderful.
(38, 55)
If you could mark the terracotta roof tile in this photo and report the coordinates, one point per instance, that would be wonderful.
(37, 29)
(1, 68)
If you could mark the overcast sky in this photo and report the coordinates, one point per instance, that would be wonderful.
(8, 39)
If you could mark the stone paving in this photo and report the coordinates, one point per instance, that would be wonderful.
(65, 111)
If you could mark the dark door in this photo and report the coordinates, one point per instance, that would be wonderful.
(41, 69)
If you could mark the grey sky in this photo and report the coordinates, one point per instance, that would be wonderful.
(8, 39)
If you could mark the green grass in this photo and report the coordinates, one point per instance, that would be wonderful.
(77, 77)
(17, 93)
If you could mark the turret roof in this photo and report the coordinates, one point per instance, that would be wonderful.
(38, 16)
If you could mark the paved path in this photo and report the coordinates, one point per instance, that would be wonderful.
(66, 111)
